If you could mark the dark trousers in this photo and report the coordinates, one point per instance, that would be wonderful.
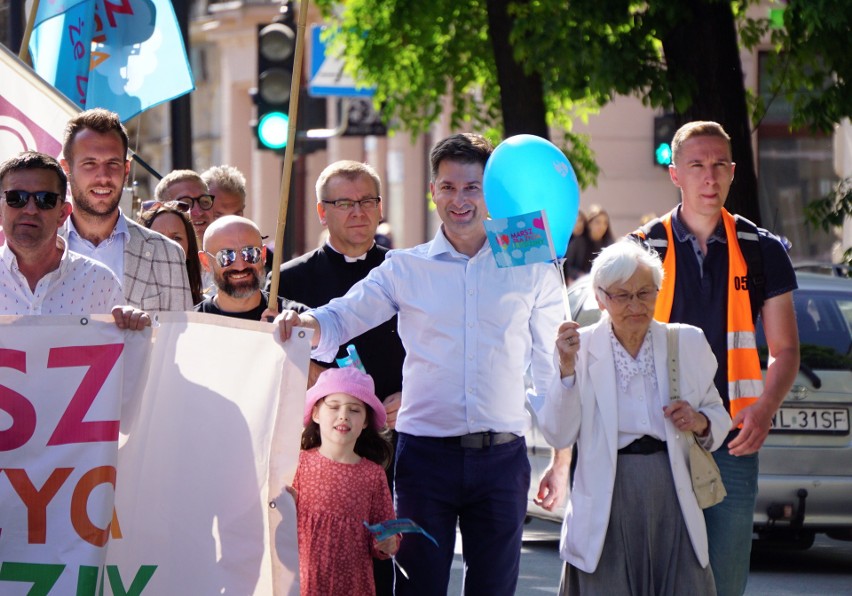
(439, 484)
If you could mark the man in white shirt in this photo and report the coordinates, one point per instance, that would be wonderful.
(151, 267)
(38, 274)
(470, 331)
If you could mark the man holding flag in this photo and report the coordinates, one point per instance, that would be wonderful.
(470, 330)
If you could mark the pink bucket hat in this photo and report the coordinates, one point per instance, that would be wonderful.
(351, 381)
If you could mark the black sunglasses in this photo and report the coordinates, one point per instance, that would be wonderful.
(44, 199)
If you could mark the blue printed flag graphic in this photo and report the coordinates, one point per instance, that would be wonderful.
(122, 55)
(386, 529)
(521, 239)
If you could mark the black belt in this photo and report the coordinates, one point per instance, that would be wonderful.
(480, 440)
(643, 446)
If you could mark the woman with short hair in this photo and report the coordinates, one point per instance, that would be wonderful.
(633, 524)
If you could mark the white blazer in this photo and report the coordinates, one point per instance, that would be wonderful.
(588, 414)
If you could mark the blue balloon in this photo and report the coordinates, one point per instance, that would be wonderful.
(528, 173)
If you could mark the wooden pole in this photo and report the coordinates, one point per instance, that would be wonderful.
(284, 196)
(24, 51)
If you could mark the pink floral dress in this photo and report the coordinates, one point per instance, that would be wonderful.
(333, 502)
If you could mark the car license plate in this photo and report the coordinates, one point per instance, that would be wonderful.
(811, 420)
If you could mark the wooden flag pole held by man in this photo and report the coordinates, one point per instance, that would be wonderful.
(284, 197)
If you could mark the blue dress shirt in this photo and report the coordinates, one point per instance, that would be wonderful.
(471, 330)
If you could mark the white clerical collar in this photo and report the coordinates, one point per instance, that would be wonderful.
(347, 258)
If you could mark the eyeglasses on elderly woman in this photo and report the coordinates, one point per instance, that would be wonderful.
(646, 295)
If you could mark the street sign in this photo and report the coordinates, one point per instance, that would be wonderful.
(328, 78)
(363, 120)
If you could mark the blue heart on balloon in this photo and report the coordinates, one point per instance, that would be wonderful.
(526, 173)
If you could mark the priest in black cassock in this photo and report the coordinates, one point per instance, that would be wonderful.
(349, 204)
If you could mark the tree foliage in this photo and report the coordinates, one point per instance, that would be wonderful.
(678, 55)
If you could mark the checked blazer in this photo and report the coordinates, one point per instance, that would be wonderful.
(155, 275)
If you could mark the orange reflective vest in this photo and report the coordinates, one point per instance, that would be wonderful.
(745, 381)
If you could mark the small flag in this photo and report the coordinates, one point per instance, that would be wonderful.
(386, 529)
(353, 359)
(124, 56)
(520, 239)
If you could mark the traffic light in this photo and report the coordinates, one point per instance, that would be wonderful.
(276, 46)
(664, 129)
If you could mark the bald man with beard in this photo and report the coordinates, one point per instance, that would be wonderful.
(234, 255)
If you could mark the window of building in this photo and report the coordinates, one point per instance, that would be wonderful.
(794, 168)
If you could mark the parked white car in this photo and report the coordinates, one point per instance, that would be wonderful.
(805, 482)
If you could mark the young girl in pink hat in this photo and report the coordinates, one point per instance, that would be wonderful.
(340, 483)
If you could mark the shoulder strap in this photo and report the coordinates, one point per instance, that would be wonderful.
(674, 377)
(672, 359)
(653, 234)
(749, 241)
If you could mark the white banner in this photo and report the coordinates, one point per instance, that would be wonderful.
(202, 457)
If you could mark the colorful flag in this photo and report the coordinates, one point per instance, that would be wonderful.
(125, 56)
(32, 112)
(521, 239)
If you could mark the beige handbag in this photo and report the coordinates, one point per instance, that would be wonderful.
(706, 478)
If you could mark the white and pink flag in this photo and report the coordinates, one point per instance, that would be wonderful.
(32, 112)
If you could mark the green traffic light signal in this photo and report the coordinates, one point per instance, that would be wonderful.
(273, 129)
(276, 43)
(665, 126)
(663, 154)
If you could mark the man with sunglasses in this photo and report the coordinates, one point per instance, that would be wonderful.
(151, 267)
(39, 275)
(234, 256)
(189, 193)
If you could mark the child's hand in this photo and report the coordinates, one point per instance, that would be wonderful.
(389, 546)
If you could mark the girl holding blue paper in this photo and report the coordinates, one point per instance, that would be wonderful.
(340, 484)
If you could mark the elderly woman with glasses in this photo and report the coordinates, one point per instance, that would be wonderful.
(633, 524)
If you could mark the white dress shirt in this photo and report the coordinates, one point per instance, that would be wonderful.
(110, 252)
(470, 330)
(78, 286)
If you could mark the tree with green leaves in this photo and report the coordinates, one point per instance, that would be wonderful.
(530, 66)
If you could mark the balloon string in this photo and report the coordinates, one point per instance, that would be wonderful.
(565, 304)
